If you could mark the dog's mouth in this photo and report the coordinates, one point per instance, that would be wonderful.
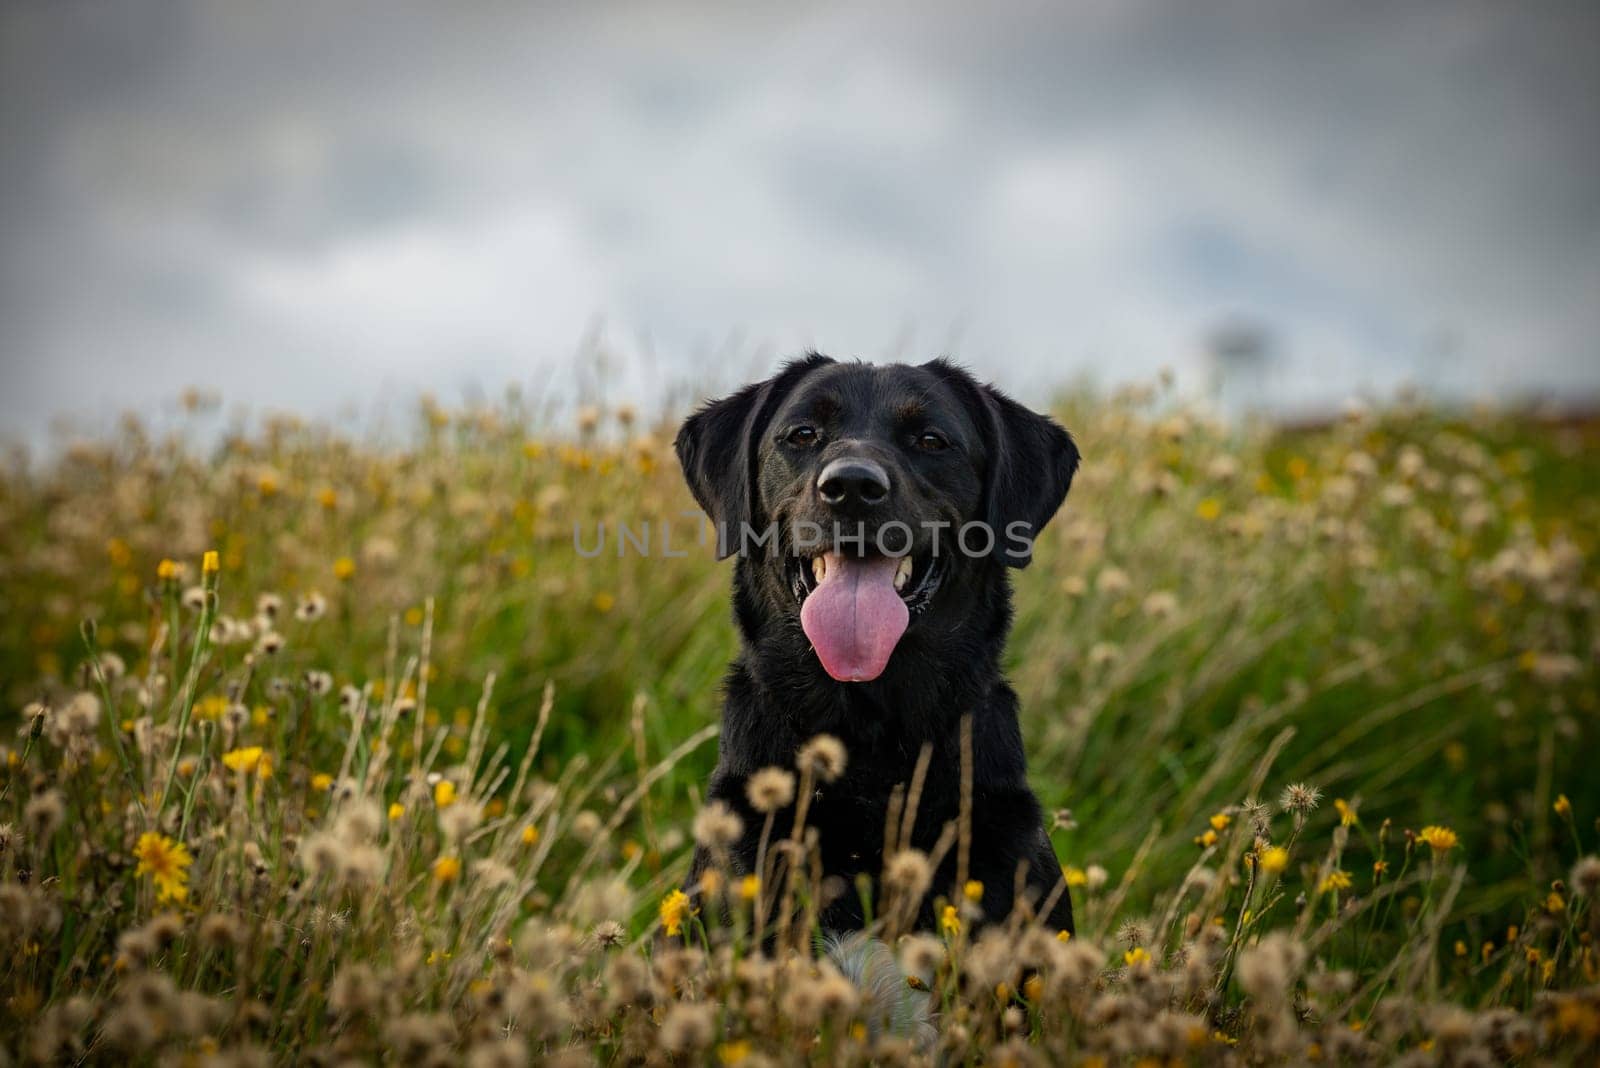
(855, 609)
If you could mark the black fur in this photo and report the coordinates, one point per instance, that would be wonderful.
(1002, 464)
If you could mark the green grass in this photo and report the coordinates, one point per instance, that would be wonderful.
(1398, 609)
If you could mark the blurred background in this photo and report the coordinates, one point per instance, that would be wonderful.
(332, 207)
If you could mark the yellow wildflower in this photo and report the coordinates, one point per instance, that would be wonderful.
(1441, 839)
(675, 908)
(1206, 840)
(733, 1052)
(750, 887)
(344, 568)
(210, 563)
(396, 810)
(1209, 509)
(1562, 807)
(1347, 812)
(1220, 821)
(444, 793)
(167, 571)
(973, 891)
(1136, 955)
(165, 861)
(250, 758)
(950, 920)
(321, 781)
(530, 834)
(1335, 880)
(445, 869)
(1274, 859)
(1076, 877)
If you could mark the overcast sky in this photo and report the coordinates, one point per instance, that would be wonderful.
(306, 205)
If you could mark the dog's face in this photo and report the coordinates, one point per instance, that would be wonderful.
(865, 493)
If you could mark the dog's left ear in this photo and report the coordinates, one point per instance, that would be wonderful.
(718, 449)
(1031, 462)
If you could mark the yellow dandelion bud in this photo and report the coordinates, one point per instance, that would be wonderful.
(530, 834)
(446, 868)
(1440, 839)
(396, 810)
(167, 571)
(604, 602)
(1562, 807)
(1136, 955)
(444, 793)
(210, 563)
(1206, 840)
(950, 920)
(321, 781)
(1220, 821)
(1063, 936)
(1274, 859)
(1075, 876)
(1209, 509)
(328, 498)
(1460, 948)
(750, 887)
(973, 891)
(344, 568)
(1555, 903)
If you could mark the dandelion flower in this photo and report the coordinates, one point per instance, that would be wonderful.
(1334, 881)
(248, 759)
(165, 861)
(1347, 812)
(674, 910)
(1136, 955)
(1274, 859)
(1562, 807)
(446, 869)
(750, 888)
(1440, 839)
(972, 891)
(950, 920)
(444, 793)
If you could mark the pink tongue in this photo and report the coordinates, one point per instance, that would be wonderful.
(854, 617)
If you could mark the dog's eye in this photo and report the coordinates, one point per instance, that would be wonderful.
(932, 441)
(802, 435)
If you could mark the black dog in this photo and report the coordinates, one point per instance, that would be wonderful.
(821, 479)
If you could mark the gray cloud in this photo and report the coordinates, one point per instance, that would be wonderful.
(312, 204)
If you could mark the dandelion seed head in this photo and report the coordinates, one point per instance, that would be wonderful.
(770, 789)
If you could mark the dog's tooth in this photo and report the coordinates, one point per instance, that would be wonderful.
(819, 567)
(902, 573)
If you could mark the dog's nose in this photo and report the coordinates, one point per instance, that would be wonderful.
(853, 480)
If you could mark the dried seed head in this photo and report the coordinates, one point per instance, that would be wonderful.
(909, 872)
(770, 789)
(823, 756)
(717, 826)
(1300, 798)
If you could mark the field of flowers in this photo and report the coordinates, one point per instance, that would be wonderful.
(320, 749)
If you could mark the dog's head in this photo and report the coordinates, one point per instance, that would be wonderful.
(864, 493)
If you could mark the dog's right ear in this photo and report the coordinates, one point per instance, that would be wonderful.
(718, 447)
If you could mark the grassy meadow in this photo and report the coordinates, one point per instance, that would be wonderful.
(321, 750)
